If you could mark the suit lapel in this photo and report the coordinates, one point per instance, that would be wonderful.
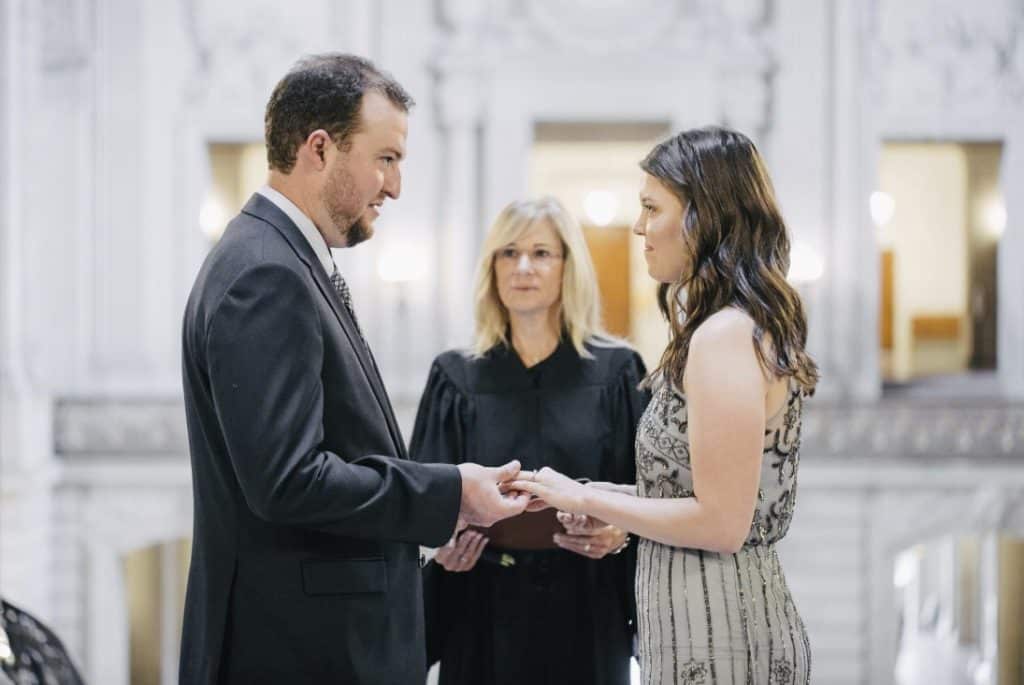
(363, 353)
(262, 208)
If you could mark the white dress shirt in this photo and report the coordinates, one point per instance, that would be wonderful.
(306, 226)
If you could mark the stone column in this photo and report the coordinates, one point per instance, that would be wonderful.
(1010, 345)
(988, 637)
(171, 573)
(746, 65)
(853, 254)
(108, 650)
(460, 104)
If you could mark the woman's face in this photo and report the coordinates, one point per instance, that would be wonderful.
(661, 224)
(529, 270)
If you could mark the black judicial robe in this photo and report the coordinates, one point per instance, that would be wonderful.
(554, 617)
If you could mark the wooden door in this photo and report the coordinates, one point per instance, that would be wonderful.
(609, 248)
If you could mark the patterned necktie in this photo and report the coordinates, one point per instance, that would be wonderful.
(346, 297)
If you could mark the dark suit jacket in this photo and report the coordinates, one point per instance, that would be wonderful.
(308, 512)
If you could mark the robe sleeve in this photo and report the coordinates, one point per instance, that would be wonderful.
(439, 435)
(628, 403)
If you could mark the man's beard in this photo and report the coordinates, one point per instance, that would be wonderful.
(360, 230)
(346, 218)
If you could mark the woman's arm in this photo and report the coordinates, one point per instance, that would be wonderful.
(725, 390)
(624, 488)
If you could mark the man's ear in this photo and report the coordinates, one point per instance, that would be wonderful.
(316, 147)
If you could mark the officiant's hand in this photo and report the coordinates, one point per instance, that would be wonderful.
(462, 551)
(590, 537)
(486, 497)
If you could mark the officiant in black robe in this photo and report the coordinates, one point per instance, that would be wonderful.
(523, 602)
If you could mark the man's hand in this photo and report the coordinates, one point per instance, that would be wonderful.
(483, 503)
(551, 489)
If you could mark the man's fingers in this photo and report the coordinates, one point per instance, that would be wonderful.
(515, 504)
(530, 486)
(509, 471)
(537, 505)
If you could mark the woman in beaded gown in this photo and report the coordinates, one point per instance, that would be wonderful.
(718, 446)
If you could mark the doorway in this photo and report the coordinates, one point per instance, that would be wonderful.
(592, 168)
(939, 215)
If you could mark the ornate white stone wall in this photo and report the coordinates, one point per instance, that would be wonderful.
(106, 108)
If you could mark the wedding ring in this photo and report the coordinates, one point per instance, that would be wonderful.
(586, 547)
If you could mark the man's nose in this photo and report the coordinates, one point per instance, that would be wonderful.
(393, 183)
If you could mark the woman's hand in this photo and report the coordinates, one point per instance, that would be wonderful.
(462, 552)
(552, 489)
(590, 537)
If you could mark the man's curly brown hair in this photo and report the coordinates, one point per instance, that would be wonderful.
(323, 92)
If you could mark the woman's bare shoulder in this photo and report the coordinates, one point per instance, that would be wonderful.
(727, 325)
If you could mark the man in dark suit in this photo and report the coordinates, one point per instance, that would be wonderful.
(308, 513)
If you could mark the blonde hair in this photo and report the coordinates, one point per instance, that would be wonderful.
(580, 302)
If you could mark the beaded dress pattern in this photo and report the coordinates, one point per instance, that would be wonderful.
(707, 618)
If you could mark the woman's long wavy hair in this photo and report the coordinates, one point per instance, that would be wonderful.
(738, 252)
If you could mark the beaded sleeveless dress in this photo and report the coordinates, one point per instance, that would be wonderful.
(708, 618)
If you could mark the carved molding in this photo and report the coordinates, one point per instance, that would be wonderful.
(737, 30)
(943, 53)
(84, 427)
(888, 430)
(734, 37)
(902, 430)
(238, 58)
(608, 25)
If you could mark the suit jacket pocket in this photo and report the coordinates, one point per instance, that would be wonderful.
(344, 576)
